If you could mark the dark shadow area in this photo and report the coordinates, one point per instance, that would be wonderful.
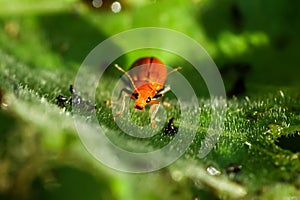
(219, 16)
(276, 62)
(289, 142)
(70, 183)
(7, 127)
(234, 75)
(73, 37)
(278, 19)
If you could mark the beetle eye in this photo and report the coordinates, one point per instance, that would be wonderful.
(136, 95)
(148, 100)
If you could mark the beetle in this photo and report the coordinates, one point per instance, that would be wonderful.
(147, 77)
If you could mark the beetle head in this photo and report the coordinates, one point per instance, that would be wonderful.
(142, 98)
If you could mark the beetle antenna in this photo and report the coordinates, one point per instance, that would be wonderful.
(126, 73)
(174, 70)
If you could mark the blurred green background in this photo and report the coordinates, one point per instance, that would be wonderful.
(255, 45)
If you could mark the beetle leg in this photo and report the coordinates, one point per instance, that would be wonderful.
(122, 107)
(152, 111)
(127, 91)
(162, 91)
(154, 101)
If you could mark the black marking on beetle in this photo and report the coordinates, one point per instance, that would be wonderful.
(135, 95)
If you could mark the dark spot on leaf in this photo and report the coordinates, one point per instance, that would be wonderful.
(61, 100)
(170, 129)
(289, 142)
(75, 100)
(233, 168)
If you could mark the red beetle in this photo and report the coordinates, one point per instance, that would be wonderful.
(148, 79)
